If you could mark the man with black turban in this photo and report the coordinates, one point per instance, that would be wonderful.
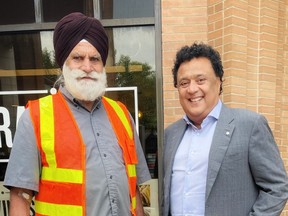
(72, 29)
(77, 151)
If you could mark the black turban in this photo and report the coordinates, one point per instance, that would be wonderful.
(71, 29)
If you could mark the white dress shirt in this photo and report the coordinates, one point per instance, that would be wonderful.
(189, 172)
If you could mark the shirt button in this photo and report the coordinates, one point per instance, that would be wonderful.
(98, 134)
(111, 176)
(104, 155)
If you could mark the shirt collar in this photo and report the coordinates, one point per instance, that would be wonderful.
(74, 101)
(214, 114)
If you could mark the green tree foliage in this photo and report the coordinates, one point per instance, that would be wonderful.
(145, 82)
(48, 59)
(49, 63)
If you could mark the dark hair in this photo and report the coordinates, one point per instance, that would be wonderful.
(197, 50)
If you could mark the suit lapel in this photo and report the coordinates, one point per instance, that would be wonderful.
(220, 143)
(173, 144)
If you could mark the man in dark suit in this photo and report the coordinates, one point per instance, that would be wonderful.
(218, 161)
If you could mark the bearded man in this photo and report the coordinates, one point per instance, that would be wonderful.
(77, 151)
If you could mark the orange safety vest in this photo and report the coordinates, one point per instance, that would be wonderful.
(62, 183)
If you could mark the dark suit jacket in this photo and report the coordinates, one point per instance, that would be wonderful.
(246, 175)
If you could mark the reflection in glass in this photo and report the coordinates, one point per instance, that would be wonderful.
(136, 42)
(115, 9)
(23, 62)
(131, 62)
(132, 53)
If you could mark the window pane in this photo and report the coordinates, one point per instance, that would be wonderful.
(25, 58)
(25, 74)
(115, 9)
(54, 10)
(131, 63)
(17, 12)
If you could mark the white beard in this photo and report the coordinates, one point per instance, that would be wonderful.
(84, 89)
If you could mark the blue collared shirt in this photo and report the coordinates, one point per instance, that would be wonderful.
(189, 172)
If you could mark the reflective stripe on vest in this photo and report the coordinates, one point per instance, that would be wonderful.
(44, 208)
(119, 115)
(58, 177)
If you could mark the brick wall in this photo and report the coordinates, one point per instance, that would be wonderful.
(252, 38)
